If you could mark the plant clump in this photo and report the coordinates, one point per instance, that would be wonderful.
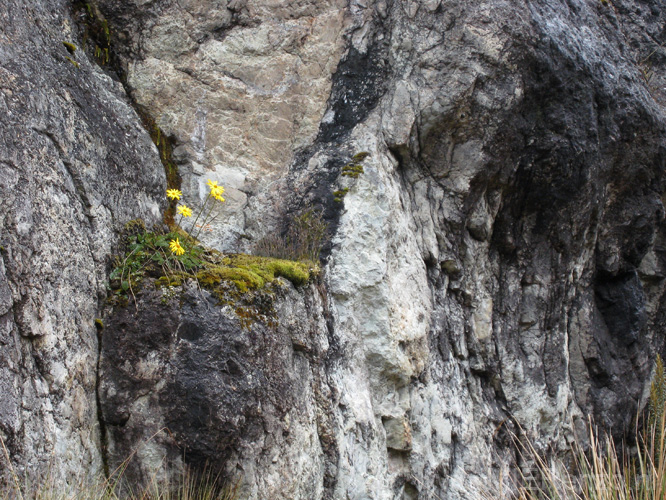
(352, 170)
(339, 194)
(96, 30)
(601, 469)
(71, 48)
(303, 240)
(188, 485)
(246, 282)
(250, 272)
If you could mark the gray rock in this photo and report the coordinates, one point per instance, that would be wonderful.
(184, 382)
(498, 263)
(75, 166)
(485, 268)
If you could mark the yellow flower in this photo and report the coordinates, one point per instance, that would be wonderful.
(176, 248)
(214, 187)
(174, 194)
(216, 192)
(184, 210)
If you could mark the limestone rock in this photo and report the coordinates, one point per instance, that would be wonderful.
(185, 382)
(486, 268)
(239, 87)
(75, 166)
(497, 263)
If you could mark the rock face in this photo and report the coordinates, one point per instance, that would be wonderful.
(500, 260)
(183, 380)
(75, 166)
(239, 87)
(499, 264)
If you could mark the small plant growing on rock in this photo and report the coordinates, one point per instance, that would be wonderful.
(601, 470)
(236, 280)
(303, 241)
(163, 254)
(352, 170)
(215, 194)
(188, 485)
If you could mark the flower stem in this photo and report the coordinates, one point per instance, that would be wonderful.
(203, 224)
(189, 233)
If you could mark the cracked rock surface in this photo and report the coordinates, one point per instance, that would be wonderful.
(182, 382)
(500, 260)
(498, 265)
(75, 166)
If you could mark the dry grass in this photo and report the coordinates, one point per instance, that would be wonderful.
(600, 471)
(188, 486)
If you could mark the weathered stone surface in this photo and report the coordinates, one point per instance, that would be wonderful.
(499, 262)
(183, 383)
(489, 266)
(75, 166)
(239, 86)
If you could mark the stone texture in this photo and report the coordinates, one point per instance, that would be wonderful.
(498, 265)
(183, 382)
(75, 166)
(239, 87)
(488, 269)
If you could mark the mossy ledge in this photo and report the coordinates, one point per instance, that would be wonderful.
(247, 283)
(250, 272)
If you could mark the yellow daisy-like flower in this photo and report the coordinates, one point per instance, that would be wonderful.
(176, 248)
(216, 192)
(184, 210)
(214, 186)
(174, 194)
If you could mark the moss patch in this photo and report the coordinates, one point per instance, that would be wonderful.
(251, 273)
(71, 48)
(96, 31)
(165, 147)
(247, 283)
(268, 269)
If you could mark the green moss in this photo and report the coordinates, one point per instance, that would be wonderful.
(165, 147)
(246, 283)
(96, 29)
(71, 48)
(169, 281)
(250, 272)
(244, 279)
(340, 194)
(134, 227)
(352, 170)
(297, 272)
(359, 157)
(102, 55)
(72, 61)
(99, 323)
